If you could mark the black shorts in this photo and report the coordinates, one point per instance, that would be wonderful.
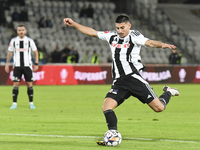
(131, 85)
(19, 71)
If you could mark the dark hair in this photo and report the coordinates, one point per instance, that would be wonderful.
(122, 18)
(21, 25)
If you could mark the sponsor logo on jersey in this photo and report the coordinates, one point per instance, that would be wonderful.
(106, 31)
(120, 45)
(21, 50)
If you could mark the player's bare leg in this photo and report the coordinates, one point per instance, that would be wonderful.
(159, 104)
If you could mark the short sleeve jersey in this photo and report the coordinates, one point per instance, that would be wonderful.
(125, 51)
(21, 49)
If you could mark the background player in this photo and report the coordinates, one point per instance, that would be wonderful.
(21, 47)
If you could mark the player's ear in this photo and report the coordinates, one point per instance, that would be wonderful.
(129, 24)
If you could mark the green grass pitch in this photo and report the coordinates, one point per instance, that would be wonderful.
(70, 118)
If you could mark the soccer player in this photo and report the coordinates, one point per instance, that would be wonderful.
(125, 46)
(21, 47)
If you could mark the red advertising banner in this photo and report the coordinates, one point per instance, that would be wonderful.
(64, 75)
(90, 74)
(171, 74)
(101, 74)
(197, 76)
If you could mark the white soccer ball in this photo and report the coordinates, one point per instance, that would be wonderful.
(112, 138)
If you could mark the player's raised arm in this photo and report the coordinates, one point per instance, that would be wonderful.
(158, 44)
(85, 30)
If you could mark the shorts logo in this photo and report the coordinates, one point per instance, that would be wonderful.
(149, 96)
(15, 79)
(113, 91)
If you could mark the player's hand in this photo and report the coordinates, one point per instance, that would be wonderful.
(7, 69)
(68, 21)
(35, 68)
(168, 46)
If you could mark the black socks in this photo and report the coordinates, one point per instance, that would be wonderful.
(111, 119)
(15, 93)
(30, 93)
(165, 97)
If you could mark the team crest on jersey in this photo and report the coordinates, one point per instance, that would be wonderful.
(113, 91)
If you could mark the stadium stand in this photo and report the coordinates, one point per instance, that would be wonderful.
(188, 33)
(149, 19)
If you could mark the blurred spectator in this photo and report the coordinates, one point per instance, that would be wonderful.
(180, 57)
(56, 55)
(49, 23)
(40, 54)
(2, 13)
(65, 53)
(17, 2)
(15, 15)
(76, 54)
(83, 12)
(90, 11)
(86, 57)
(6, 4)
(95, 58)
(71, 59)
(24, 15)
(45, 23)
(42, 22)
(174, 57)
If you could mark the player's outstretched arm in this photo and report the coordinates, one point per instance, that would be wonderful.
(158, 44)
(85, 30)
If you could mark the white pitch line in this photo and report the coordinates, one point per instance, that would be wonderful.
(95, 137)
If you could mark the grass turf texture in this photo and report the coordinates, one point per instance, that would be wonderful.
(70, 117)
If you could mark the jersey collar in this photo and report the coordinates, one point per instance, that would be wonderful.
(23, 38)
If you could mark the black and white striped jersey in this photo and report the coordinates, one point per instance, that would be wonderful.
(21, 49)
(125, 51)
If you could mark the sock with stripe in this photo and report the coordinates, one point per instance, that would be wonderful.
(15, 94)
(111, 119)
(165, 97)
(30, 93)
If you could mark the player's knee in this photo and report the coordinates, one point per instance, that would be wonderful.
(159, 108)
(104, 108)
(109, 103)
(16, 84)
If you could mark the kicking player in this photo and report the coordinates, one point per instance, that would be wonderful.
(125, 45)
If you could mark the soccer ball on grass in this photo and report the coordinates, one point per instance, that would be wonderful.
(112, 138)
